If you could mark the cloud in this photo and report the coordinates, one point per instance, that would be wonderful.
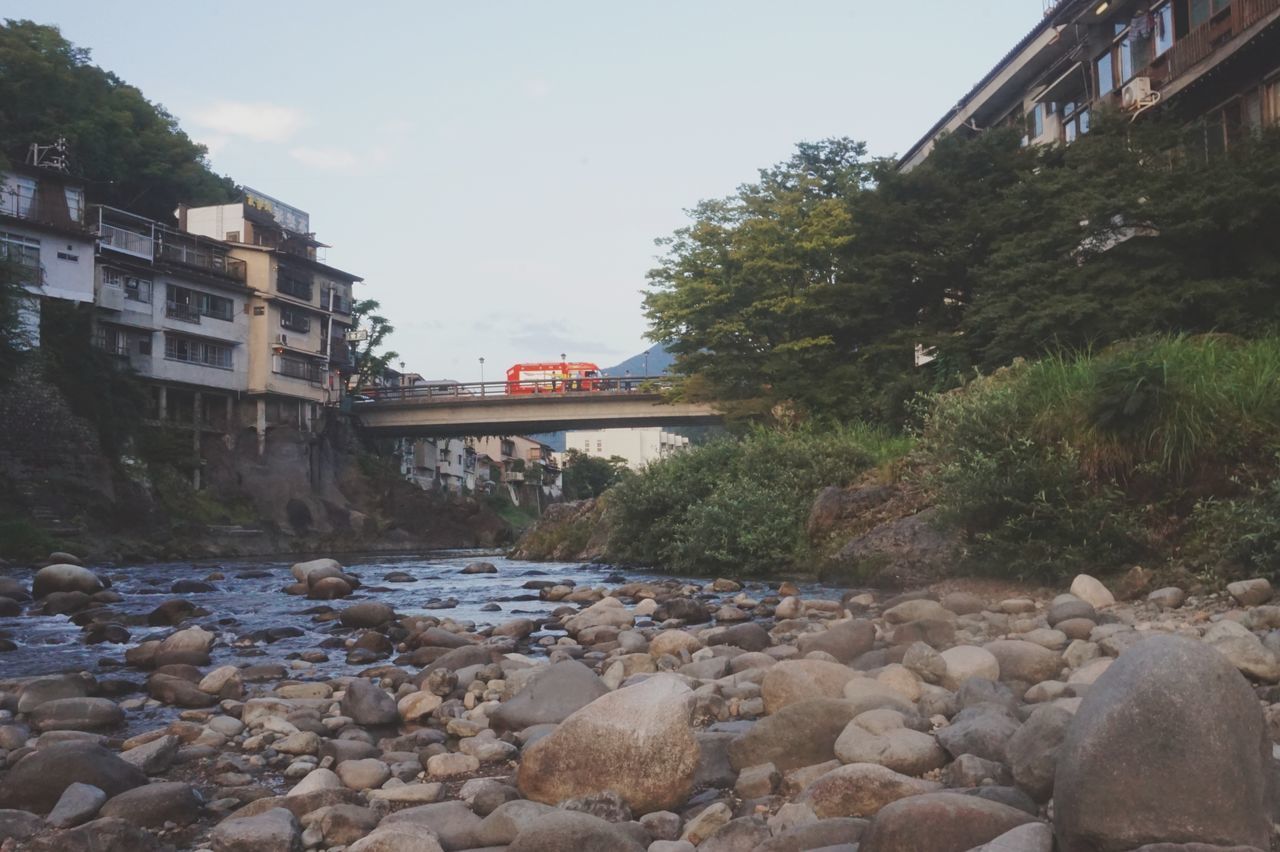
(260, 122)
(344, 160)
(536, 88)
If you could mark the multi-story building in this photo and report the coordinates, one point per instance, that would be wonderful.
(638, 446)
(174, 306)
(43, 230)
(299, 311)
(1214, 63)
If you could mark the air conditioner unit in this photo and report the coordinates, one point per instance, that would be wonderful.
(282, 339)
(1136, 93)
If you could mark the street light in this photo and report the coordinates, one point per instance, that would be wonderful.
(482, 375)
(646, 363)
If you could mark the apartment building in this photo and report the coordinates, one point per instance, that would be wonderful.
(1212, 64)
(299, 306)
(174, 307)
(43, 230)
(638, 446)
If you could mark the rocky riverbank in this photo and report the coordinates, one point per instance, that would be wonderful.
(658, 715)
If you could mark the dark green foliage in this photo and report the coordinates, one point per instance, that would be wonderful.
(130, 151)
(369, 363)
(588, 476)
(14, 345)
(1242, 531)
(737, 506)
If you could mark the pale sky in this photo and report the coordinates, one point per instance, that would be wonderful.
(498, 171)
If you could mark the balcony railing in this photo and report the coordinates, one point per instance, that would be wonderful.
(199, 256)
(295, 369)
(128, 242)
(21, 203)
(183, 313)
(1199, 44)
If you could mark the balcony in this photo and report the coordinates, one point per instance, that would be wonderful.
(291, 282)
(187, 251)
(1202, 42)
(52, 209)
(295, 369)
(182, 313)
(126, 241)
(331, 300)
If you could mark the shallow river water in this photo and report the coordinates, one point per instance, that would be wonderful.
(249, 598)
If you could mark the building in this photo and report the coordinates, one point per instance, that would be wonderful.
(299, 307)
(638, 446)
(174, 307)
(1212, 60)
(42, 228)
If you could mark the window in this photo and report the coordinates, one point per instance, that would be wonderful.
(23, 250)
(233, 236)
(295, 320)
(1271, 101)
(193, 351)
(75, 203)
(293, 282)
(1075, 123)
(295, 368)
(1163, 19)
(1037, 120)
(135, 289)
(191, 305)
(1202, 10)
(218, 307)
(1106, 71)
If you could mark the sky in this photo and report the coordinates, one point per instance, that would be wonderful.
(497, 172)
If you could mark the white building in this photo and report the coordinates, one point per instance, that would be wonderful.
(638, 446)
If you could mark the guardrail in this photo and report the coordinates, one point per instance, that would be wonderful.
(613, 386)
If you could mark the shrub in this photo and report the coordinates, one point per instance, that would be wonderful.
(738, 505)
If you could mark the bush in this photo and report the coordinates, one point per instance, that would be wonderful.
(1053, 467)
(738, 506)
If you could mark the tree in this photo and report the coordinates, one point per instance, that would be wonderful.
(15, 341)
(590, 476)
(369, 362)
(131, 152)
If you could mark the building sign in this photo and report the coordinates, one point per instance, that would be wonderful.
(289, 218)
(357, 336)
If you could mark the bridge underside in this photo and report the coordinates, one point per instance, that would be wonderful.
(527, 414)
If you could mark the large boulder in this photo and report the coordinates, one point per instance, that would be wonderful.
(940, 822)
(65, 578)
(844, 640)
(77, 714)
(152, 805)
(38, 780)
(550, 697)
(800, 680)
(304, 572)
(799, 734)
(1033, 751)
(185, 647)
(1169, 745)
(637, 742)
(368, 704)
(607, 612)
(369, 614)
(860, 790)
(277, 830)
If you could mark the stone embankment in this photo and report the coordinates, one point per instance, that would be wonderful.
(668, 717)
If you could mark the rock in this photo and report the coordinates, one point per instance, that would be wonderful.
(1195, 769)
(608, 612)
(154, 757)
(277, 830)
(673, 642)
(215, 681)
(1033, 750)
(453, 823)
(748, 636)
(1029, 837)
(1246, 592)
(1025, 661)
(189, 587)
(18, 825)
(101, 835)
(417, 705)
(152, 805)
(637, 742)
(189, 646)
(505, 823)
(743, 833)
(38, 691)
(39, 780)
(559, 831)
(178, 691)
(929, 665)
(171, 613)
(396, 838)
(756, 782)
(316, 780)
(1249, 656)
(550, 697)
(480, 568)
(368, 704)
(966, 661)
(860, 790)
(1068, 607)
(329, 589)
(799, 734)
(982, 730)
(900, 749)
(940, 822)
(65, 578)
(867, 694)
(1170, 597)
(844, 640)
(706, 823)
(449, 765)
(369, 614)
(78, 803)
(1091, 591)
(363, 774)
(341, 825)
(791, 681)
(77, 714)
(302, 571)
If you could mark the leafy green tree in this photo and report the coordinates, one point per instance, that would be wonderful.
(370, 360)
(590, 476)
(130, 151)
(15, 340)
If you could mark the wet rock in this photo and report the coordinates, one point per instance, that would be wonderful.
(78, 803)
(65, 603)
(65, 578)
(368, 704)
(637, 742)
(178, 691)
(153, 805)
(799, 734)
(328, 589)
(940, 822)
(154, 757)
(550, 697)
(39, 780)
(303, 571)
(480, 568)
(188, 587)
(1199, 768)
(40, 690)
(566, 830)
(171, 613)
(369, 614)
(189, 646)
(860, 790)
(76, 714)
(276, 830)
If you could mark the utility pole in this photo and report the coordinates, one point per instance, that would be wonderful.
(482, 375)
(646, 363)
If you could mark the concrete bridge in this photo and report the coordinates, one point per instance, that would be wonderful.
(453, 411)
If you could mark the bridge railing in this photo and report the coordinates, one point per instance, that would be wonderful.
(526, 389)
